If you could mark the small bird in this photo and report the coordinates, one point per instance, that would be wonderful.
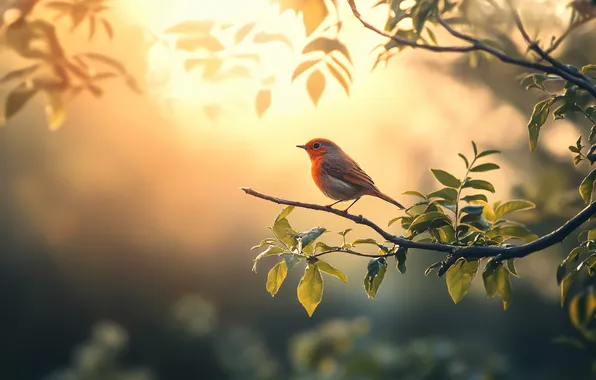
(338, 176)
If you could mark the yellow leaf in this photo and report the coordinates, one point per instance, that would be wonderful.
(460, 277)
(329, 269)
(310, 289)
(487, 212)
(276, 277)
(314, 13)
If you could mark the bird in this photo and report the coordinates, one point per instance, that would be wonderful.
(338, 176)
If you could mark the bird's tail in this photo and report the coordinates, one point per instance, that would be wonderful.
(388, 199)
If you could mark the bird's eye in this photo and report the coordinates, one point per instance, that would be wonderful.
(316, 145)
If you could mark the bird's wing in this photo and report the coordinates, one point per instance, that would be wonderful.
(349, 171)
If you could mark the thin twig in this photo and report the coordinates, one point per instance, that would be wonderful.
(455, 252)
(566, 34)
(355, 253)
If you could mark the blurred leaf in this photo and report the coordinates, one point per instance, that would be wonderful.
(55, 110)
(344, 232)
(571, 259)
(191, 27)
(310, 289)
(484, 168)
(263, 243)
(314, 13)
(329, 269)
(568, 340)
(447, 193)
(487, 211)
(397, 219)
(340, 79)
(445, 178)
(537, 120)
(315, 85)
(587, 186)
(401, 256)
(324, 247)
(479, 185)
(422, 11)
(91, 27)
(210, 65)
(374, 276)
(345, 69)
(16, 99)
(566, 284)
(276, 277)
(115, 64)
(561, 111)
(208, 43)
(582, 309)
(302, 67)
(77, 15)
(512, 206)
(243, 31)
(488, 152)
(264, 37)
(108, 28)
(327, 45)
(589, 67)
(263, 101)
(20, 73)
(271, 250)
(459, 278)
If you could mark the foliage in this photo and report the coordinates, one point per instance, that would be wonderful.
(52, 71)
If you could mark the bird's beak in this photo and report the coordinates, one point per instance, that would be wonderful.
(301, 146)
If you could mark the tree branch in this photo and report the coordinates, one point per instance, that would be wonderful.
(468, 252)
(566, 34)
(557, 68)
(355, 253)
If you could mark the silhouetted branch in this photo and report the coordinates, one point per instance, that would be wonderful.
(469, 252)
(569, 73)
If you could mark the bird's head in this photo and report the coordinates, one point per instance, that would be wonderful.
(319, 147)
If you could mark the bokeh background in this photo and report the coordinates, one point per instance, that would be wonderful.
(125, 241)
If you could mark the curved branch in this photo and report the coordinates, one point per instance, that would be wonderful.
(455, 252)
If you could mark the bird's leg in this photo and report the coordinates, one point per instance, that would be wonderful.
(352, 204)
(333, 204)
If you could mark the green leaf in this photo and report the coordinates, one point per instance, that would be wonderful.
(310, 289)
(445, 178)
(479, 185)
(485, 168)
(582, 309)
(272, 250)
(587, 186)
(365, 241)
(511, 267)
(276, 277)
(518, 231)
(446, 193)
(304, 66)
(561, 111)
(589, 67)
(399, 218)
(473, 210)
(374, 276)
(537, 120)
(264, 242)
(568, 340)
(324, 247)
(423, 222)
(496, 281)
(307, 237)
(433, 267)
(475, 148)
(415, 193)
(339, 77)
(465, 160)
(263, 101)
(16, 99)
(284, 232)
(459, 278)
(284, 213)
(476, 197)
(329, 269)
(344, 232)
(327, 45)
(566, 284)
(400, 257)
(512, 206)
(488, 152)
(315, 85)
